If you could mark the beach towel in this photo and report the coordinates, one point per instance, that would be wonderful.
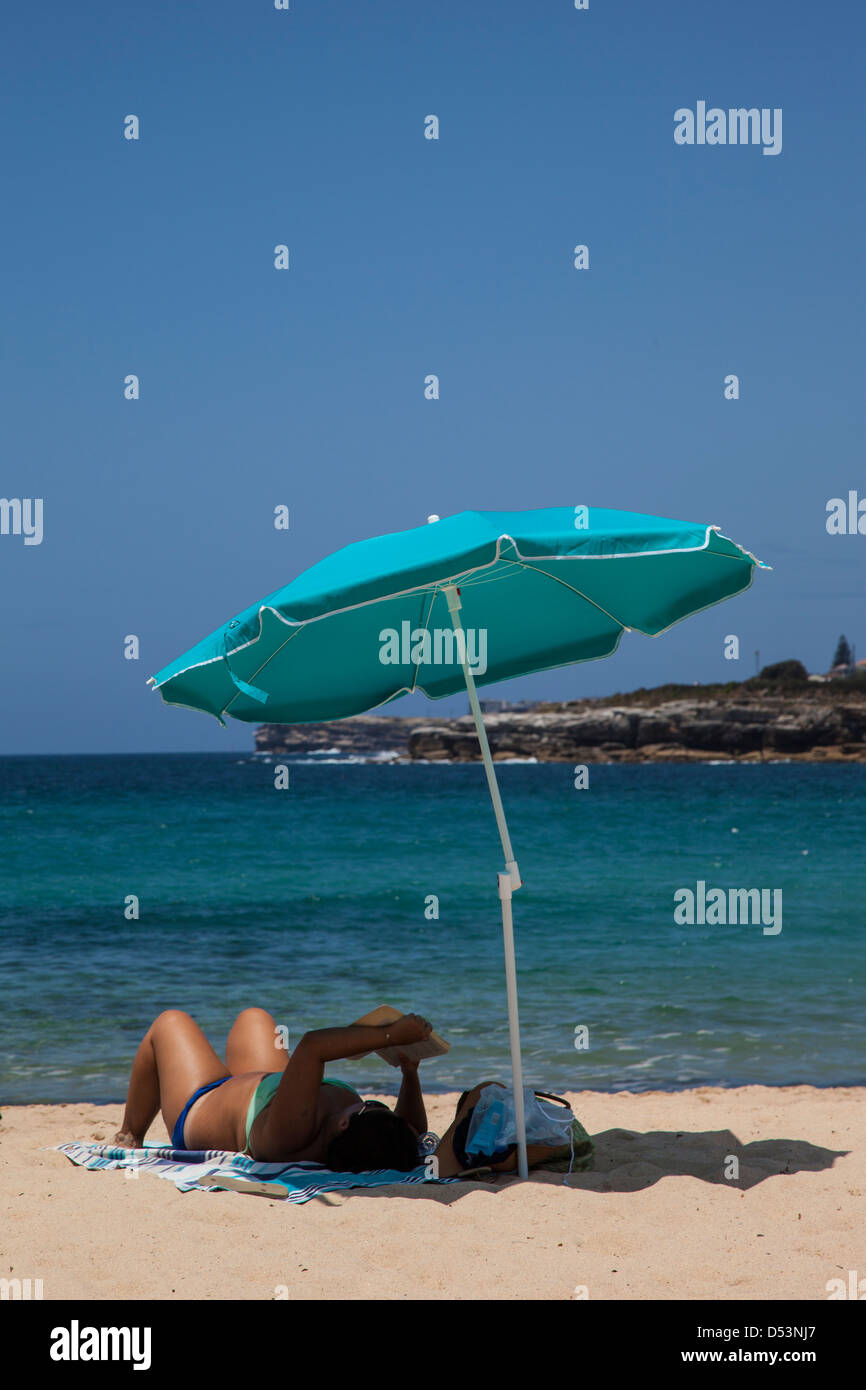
(209, 1170)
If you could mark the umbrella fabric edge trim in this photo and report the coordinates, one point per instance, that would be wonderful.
(746, 555)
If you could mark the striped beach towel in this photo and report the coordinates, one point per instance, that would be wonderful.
(213, 1169)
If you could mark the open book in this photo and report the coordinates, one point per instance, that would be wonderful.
(433, 1046)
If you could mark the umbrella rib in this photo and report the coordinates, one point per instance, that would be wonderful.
(579, 592)
(472, 583)
(263, 665)
(413, 687)
(625, 626)
(275, 652)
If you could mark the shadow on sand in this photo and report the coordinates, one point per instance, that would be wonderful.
(629, 1161)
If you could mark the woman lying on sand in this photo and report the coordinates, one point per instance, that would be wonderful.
(275, 1106)
(280, 1107)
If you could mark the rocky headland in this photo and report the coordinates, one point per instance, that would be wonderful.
(743, 721)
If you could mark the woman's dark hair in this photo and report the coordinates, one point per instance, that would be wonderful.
(375, 1139)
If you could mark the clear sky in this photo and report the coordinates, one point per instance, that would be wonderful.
(411, 256)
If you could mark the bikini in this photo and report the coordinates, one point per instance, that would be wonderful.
(177, 1132)
(262, 1096)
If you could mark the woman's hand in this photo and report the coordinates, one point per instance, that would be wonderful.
(410, 1102)
(411, 1028)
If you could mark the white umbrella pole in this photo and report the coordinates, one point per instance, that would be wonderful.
(507, 882)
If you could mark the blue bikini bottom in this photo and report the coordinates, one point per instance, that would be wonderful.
(177, 1132)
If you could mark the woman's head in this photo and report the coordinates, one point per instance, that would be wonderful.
(370, 1136)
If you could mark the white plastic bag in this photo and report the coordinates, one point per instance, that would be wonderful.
(493, 1125)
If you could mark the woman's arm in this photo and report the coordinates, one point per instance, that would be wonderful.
(290, 1123)
(329, 1044)
(410, 1102)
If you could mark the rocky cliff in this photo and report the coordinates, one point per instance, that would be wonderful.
(743, 724)
(367, 735)
(674, 731)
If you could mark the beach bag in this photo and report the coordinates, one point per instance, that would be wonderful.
(553, 1133)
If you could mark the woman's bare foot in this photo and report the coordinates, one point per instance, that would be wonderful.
(125, 1140)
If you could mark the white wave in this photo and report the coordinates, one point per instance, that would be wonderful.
(345, 759)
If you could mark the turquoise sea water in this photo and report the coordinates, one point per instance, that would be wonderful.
(310, 902)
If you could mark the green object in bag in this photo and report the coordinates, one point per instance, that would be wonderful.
(560, 1160)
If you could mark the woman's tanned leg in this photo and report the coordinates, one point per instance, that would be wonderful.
(173, 1059)
(255, 1043)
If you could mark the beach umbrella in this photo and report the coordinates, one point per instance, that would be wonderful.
(460, 602)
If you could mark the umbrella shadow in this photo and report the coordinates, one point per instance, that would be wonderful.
(630, 1161)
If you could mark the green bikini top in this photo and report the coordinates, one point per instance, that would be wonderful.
(267, 1089)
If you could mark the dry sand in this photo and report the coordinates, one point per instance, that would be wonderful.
(655, 1218)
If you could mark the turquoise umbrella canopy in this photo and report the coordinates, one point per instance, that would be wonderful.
(371, 622)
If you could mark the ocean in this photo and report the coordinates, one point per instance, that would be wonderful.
(375, 882)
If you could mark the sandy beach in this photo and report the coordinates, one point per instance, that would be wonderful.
(656, 1217)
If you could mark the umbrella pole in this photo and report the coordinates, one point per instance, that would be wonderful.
(507, 882)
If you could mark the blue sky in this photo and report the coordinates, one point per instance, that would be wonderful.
(411, 256)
